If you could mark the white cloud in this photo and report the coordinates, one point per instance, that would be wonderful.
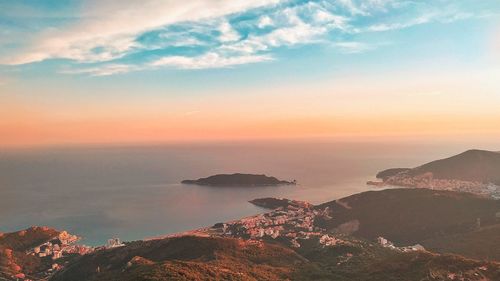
(353, 47)
(111, 26)
(352, 7)
(299, 34)
(228, 34)
(296, 31)
(368, 7)
(265, 21)
(105, 70)
(209, 60)
(108, 30)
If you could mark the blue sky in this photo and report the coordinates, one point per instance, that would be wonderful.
(100, 38)
(57, 55)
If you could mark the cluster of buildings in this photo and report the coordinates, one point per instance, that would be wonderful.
(114, 243)
(292, 223)
(428, 181)
(59, 246)
(388, 244)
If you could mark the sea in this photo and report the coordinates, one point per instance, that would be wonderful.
(134, 192)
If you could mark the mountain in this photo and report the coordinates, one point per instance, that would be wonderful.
(238, 180)
(472, 165)
(428, 217)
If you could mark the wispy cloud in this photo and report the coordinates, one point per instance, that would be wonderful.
(350, 47)
(197, 34)
(104, 70)
(108, 28)
(209, 60)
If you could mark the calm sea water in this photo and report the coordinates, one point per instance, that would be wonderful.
(134, 192)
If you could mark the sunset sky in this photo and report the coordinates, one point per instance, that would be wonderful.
(103, 71)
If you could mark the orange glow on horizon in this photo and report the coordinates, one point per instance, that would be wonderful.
(48, 132)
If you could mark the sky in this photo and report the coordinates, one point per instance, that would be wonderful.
(103, 71)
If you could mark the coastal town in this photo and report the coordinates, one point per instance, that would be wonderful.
(427, 180)
(56, 251)
(293, 223)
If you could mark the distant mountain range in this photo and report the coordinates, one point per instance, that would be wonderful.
(239, 179)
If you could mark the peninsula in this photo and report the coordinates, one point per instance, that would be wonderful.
(474, 171)
(274, 203)
(239, 179)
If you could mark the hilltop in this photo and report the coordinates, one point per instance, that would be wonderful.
(238, 180)
(472, 165)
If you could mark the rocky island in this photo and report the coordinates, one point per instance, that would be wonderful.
(474, 171)
(239, 179)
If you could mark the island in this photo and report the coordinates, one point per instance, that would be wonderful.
(239, 179)
(475, 171)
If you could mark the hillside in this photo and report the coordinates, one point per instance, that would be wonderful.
(472, 165)
(479, 244)
(13, 259)
(238, 180)
(201, 258)
(186, 258)
(364, 261)
(410, 216)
